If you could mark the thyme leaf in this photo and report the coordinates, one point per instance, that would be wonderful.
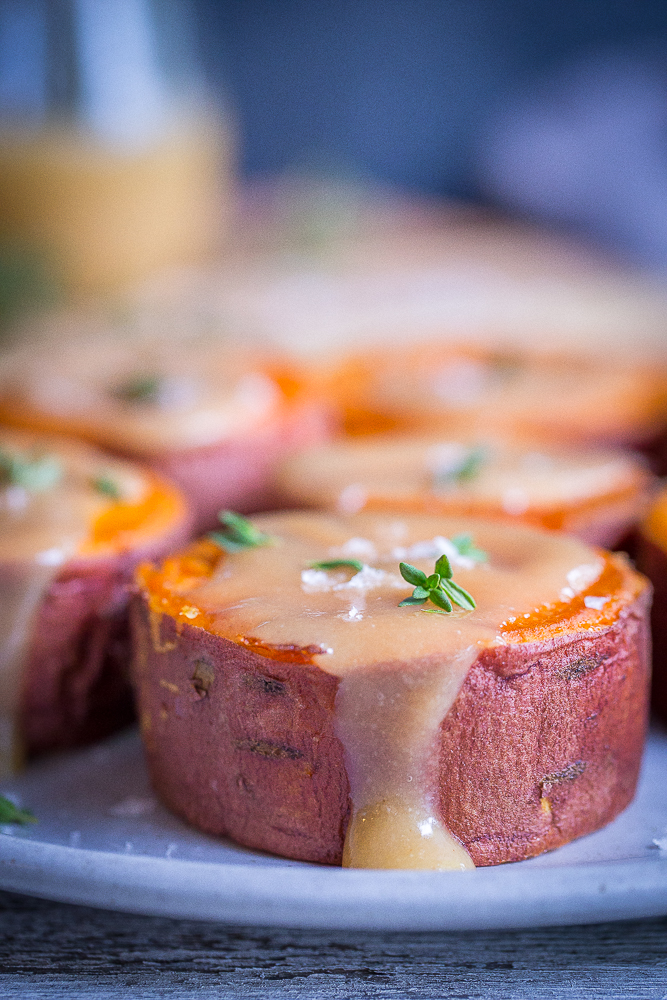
(440, 599)
(443, 567)
(458, 595)
(354, 564)
(438, 588)
(465, 546)
(239, 533)
(9, 813)
(139, 389)
(107, 486)
(33, 472)
(462, 471)
(413, 575)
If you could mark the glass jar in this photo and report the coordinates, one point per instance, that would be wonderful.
(114, 162)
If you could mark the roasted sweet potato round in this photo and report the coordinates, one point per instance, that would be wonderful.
(292, 700)
(652, 560)
(75, 523)
(552, 397)
(596, 494)
(212, 417)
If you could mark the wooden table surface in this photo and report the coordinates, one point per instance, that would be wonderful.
(56, 950)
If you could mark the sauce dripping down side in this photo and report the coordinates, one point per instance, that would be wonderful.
(388, 722)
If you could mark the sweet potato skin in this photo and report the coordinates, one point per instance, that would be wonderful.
(542, 745)
(238, 744)
(238, 473)
(652, 560)
(76, 683)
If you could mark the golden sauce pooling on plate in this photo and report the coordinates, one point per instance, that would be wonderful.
(400, 668)
(51, 493)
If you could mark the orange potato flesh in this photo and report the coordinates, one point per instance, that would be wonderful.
(126, 526)
(655, 525)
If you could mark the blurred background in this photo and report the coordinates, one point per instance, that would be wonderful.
(420, 94)
(132, 130)
(556, 109)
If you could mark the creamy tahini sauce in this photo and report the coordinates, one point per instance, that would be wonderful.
(351, 476)
(40, 530)
(400, 669)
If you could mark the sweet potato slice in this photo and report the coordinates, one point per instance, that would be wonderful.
(596, 494)
(75, 524)
(213, 418)
(652, 560)
(550, 397)
(281, 715)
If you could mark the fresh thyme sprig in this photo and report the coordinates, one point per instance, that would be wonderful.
(438, 588)
(32, 472)
(9, 813)
(465, 546)
(238, 533)
(354, 564)
(107, 486)
(461, 472)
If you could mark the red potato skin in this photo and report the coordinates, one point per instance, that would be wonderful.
(652, 561)
(610, 533)
(238, 473)
(76, 685)
(542, 745)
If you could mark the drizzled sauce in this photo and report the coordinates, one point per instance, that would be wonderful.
(388, 722)
(40, 530)
(400, 669)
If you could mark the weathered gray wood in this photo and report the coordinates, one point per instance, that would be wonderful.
(55, 950)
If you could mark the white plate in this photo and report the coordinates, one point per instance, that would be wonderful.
(104, 841)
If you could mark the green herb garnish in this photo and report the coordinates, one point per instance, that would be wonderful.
(462, 471)
(239, 533)
(107, 486)
(506, 365)
(465, 546)
(9, 813)
(34, 473)
(140, 389)
(438, 588)
(338, 564)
